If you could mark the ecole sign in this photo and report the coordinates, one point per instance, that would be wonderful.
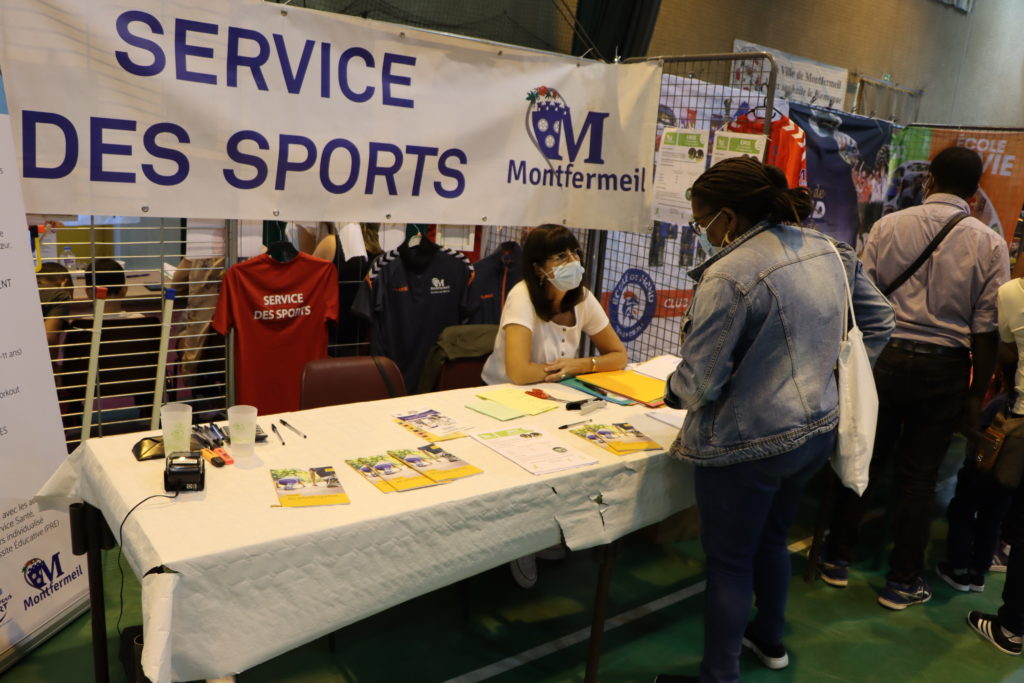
(251, 111)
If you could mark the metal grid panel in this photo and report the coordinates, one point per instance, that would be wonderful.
(196, 357)
(704, 92)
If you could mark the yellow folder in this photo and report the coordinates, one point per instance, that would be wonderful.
(627, 383)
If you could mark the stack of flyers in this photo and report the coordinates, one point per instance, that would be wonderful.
(435, 462)
(389, 474)
(430, 424)
(313, 486)
(619, 438)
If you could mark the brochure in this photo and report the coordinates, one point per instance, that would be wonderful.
(619, 438)
(304, 487)
(394, 472)
(430, 424)
(534, 451)
(435, 462)
(365, 467)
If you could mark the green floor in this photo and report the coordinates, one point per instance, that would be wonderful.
(834, 635)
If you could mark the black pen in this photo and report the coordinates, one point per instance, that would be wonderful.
(289, 426)
(573, 424)
(273, 428)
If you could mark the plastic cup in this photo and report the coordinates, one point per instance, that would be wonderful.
(242, 426)
(176, 423)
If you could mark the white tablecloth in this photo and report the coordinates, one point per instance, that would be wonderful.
(249, 581)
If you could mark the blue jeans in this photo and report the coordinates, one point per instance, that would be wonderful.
(745, 513)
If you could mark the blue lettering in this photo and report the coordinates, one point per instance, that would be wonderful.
(421, 154)
(325, 166)
(595, 124)
(149, 141)
(516, 172)
(182, 50)
(374, 169)
(240, 157)
(455, 174)
(253, 63)
(293, 79)
(98, 149)
(343, 61)
(388, 79)
(284, 165)
(29, 122)
(159, 60)
(325, 70)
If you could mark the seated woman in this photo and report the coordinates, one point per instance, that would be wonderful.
(546, 314)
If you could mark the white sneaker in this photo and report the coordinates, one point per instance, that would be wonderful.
(524, 570)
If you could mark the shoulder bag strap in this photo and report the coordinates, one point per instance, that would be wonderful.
(848, 308)
(909, 272)
(384, 376)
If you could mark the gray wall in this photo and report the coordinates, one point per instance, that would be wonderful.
(970, 66)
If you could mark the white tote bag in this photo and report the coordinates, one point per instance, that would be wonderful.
(858, 402)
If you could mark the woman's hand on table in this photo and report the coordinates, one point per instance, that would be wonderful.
(564, 368)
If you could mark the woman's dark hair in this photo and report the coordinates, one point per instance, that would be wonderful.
(754, 190)
(540, 244)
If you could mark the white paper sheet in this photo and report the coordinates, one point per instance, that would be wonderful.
(534, 451)
(659, 367)
(668, 416)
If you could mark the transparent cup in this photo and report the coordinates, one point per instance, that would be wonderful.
(176, 423)
(242, 430)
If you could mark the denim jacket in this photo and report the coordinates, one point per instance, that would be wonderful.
(760, 344)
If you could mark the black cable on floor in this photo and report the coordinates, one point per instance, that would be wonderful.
(120, 569)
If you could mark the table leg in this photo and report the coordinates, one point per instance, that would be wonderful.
(89, 536)
(605, 556)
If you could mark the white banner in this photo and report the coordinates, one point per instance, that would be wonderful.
(246, 109)
(799, 79)
(40, 580)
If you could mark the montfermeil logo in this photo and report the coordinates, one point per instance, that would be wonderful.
(47, 578)
(561, 140)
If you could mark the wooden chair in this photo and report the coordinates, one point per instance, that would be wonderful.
(335, 381)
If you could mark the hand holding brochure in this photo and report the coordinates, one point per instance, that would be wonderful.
(305, 487)
(534, 451)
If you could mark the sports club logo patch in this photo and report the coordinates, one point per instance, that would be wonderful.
(632, 304)
(439, 286)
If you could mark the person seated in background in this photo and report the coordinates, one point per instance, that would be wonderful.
(106, 272)
(546, 314)
(56, 290)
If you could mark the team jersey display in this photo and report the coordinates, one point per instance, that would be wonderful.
(279, 313)
(495, 276)
(787, 145)
(410, 295)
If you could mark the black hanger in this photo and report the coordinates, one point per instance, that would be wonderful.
(282, 252)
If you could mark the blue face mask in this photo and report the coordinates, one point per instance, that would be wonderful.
(566, 276)
(705, 244)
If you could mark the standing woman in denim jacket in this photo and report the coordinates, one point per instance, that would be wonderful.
(759, 350)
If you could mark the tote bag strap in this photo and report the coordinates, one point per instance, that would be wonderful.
(848, 309)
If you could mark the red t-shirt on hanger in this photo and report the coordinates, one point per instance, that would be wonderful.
(279, 312)
(787, 145)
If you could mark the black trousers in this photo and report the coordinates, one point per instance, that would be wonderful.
(920, 398)
(1011, 614)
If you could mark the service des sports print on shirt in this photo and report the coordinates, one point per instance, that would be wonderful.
(255, 110)
(270, 300)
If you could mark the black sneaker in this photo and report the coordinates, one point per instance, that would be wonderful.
(899, 596)
(987, 626)
(835, 574)
(977, 580)
(958, 579)
(773, 657)
(675, 678)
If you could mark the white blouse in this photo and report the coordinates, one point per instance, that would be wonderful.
(549, 341)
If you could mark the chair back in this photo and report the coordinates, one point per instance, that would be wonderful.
(461, 373)
(335, 381)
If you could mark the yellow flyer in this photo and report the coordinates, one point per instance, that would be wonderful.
(306, 487)
(393, 472)
(435, 462)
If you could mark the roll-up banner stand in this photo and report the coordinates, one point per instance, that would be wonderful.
(42, 585)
